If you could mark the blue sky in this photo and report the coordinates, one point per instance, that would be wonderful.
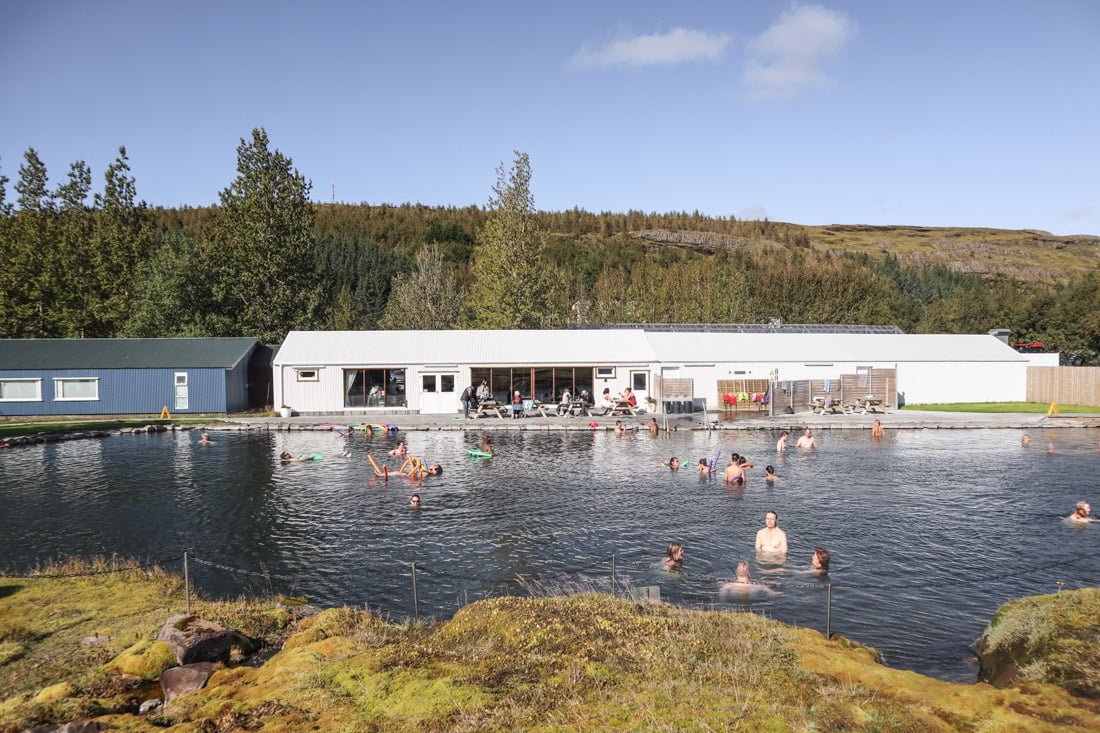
(876, 112)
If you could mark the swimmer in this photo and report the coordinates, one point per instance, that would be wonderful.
(819, 563)
(781, 444)
(742, 582)
(414, 501)
(704, 467)
(618, 428)
(771, 538)
(674, 557)
(486, 445)
(807, 440)
(653, 427)
(286, 457)
(1082, 514)
(769, 474)
(877, 431)
(401, 450)
(672, 463)
(204, 439)
(1050, 449)
(1025, 440)
(734, 473)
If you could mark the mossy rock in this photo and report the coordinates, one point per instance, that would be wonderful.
(55, 692)
(145, 659)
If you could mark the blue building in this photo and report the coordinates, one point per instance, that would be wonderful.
(127, 376)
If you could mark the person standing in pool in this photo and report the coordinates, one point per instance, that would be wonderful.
(1025, 440)
(618, 428)
(1082, 514)
(487, 445)
(781, 444)
(819, 563)
(807, 441)
(735, 472)
(876, 430)
(769, 474)
(204, 439)
(771, 539)
(654, 429)
(674, 557)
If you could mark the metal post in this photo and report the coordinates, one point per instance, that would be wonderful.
(614, 577)
(829, 611)
(186, 584)
(416, 600)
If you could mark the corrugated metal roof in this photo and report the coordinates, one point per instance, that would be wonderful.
(488, 348)
(123, 353)
(828, 348)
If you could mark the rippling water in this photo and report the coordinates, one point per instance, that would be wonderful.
(930, 530)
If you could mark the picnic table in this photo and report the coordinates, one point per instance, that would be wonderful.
(486, 408)
(870, 403)
(623, 407)
(539, 407)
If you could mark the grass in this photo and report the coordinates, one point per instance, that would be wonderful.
(997, 407)
(583, 662)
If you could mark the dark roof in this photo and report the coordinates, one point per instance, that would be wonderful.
(123, 353)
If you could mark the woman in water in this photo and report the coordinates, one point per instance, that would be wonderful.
(674, 557)
(819, 563)
(401, 450)
(672, 463)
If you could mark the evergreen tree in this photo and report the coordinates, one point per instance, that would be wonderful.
(26, 291)
(511, 274)
(429, 299)
(68, 267)
(261, 259)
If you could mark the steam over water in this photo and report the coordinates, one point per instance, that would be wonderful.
(930, 530)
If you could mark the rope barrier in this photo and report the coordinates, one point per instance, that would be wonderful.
(242, 571)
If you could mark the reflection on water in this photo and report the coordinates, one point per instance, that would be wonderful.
(929, 530)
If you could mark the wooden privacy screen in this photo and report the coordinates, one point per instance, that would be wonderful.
(740, 395)
(1064, 385)
(798, 393)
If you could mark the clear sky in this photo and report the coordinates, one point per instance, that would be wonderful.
(937, 113)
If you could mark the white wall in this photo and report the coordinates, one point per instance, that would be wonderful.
(926, 383)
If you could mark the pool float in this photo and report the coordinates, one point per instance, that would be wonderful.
(387, 428)
(714, 461)
(311, 457)
(478, 453)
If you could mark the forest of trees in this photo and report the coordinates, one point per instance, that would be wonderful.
(265, 260)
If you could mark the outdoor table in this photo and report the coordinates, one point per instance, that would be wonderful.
(623, 407)
(490, 407)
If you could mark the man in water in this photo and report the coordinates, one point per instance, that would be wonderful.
(1082, 514)
(876, 430)
(781, 444)
(674, 557)
(771, 539)
(807, 440)
(414, 501)
(654, 428)
(819, 563)
(1025, 441)
(735, 472)
(204, 439)
(769, 474)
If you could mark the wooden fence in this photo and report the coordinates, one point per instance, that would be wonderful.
(1064, 385)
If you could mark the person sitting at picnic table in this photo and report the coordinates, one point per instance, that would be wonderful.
(585, 401)
(628, 395)
(566, 399)
(605, 400)
(483, 391)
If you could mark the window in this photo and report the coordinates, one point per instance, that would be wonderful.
(20, 390)
(307, 375)
(605, 372)
(181, 379)
(428, 383)
(374, 388)
(639, 380)
(76, 389)
(446, 383)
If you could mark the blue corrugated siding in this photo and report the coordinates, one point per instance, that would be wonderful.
(236, 387)
(125, 391)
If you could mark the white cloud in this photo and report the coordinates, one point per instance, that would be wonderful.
(677, 46)
(786, 58)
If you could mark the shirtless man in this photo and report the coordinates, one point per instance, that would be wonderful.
(734, 473)
(204, 439)
(877, 430)
(807, 440)
(1082, 514)
(771, 539)
(781, 444)
(653, 427)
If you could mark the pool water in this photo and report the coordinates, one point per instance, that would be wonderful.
(929, 530)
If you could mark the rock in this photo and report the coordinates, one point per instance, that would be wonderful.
(185, 680)
(150, 706)
(196, 640)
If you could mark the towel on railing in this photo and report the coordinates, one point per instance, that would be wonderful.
(826, 388)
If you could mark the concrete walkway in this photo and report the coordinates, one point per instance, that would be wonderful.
(916, 420)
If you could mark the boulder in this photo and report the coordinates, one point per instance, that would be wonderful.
(150, 706)
(184, 680)
(196, 640)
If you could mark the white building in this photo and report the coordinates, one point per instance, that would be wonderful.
(360, 372)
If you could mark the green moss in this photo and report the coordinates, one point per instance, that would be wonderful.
(9, 651)
(145, 659)
(55, 692)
